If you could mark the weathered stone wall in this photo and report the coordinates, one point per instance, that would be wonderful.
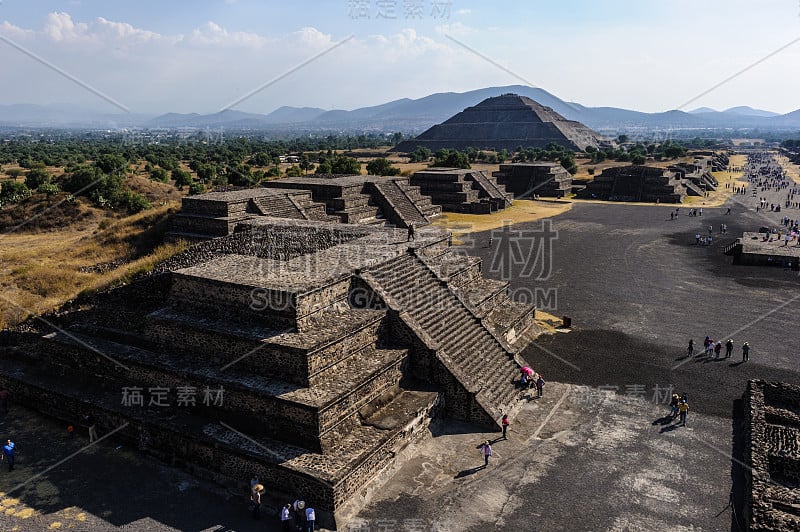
(771, 443)
(457, 401)
(273, 307)
(207, 458)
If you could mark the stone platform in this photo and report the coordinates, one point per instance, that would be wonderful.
(329, 347)
(764, 249)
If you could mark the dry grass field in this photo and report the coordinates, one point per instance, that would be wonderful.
(520, 211)
(39, 271)
(792, 169)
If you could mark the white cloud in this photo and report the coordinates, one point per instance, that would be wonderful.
(456, 29)
(60, 27)
(463, 11)
(212, 34)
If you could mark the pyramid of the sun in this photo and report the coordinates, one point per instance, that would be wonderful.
(506, 121)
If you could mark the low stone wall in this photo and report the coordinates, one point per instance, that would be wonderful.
(207, 458)
(772, 440)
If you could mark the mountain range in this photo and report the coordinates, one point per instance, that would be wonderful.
(406, 115)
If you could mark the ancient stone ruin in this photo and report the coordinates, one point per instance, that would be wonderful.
(636, 183)
(763, 249)
(349, 199)
(467, 191)
(541, 179)
(505, 122)
(772, 456)
(697, 177)
(308, 353)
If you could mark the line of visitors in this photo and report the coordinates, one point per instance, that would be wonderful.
(714, 348)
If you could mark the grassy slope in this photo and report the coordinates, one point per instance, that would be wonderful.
(70, 247)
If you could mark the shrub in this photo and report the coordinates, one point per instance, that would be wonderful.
(49, 188)
(36, 178)
(13, 191)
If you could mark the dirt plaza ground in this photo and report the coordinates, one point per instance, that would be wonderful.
(595, 453)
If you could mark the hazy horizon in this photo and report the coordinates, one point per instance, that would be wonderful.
(202, 57)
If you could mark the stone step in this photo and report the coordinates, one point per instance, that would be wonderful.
(229, 455)
(478, 356)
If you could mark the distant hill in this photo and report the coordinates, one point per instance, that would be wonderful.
(293, 115)
(407, 115)
(702, 110)
(749, 111)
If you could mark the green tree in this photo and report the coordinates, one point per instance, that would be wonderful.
(451, 159)
(381, 167)
(420, 155)
(305, 164)
(109, 163)
(567, 160)
(134, 202)
(36, 178)
(82, 180)
(294, 171)
(206, 172)
(14, 173)
(159, 174)
(13, 191)
(182, 178)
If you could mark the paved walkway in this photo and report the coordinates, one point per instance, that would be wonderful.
(571, 463)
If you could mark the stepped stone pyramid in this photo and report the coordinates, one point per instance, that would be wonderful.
(636, 183)
(349, 199)
(458, 190)
(506, 121)
(327, 349)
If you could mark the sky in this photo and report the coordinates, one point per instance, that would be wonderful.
(203, 56)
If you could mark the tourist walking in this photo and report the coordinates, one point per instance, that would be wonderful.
(8, 454)
(311, 519)
(411, 235)
(299, 515)
(255, 500)
(486, 451)
(286, 518)
(539, 386)
(728, 348)
(92, 423)
(690, 350)
(505, 423)
(745, 352)
(673, 405)
(683, 409)
(717, 350)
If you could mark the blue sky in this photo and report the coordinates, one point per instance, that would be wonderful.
(200, 56)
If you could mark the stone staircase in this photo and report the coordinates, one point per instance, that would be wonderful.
(471, 351)
(487, 299)
(397, 207)
(692, 189)
(492, 189)
(278, 206)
